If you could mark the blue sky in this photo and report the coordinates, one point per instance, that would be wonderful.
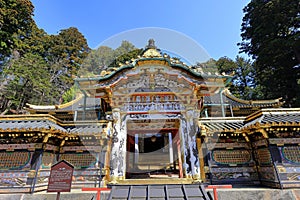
(212, 25)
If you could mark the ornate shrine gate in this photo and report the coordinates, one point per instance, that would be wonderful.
(150, 114)
(155, 103)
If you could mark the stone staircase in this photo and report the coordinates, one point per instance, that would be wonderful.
(159, 192)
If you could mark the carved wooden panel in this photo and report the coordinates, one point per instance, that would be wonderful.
(80, 160)
(14, 160)
(263, 156)
(231, 156)
(292, 154)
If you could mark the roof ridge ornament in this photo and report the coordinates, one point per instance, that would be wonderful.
(151, 50)
(151, 44)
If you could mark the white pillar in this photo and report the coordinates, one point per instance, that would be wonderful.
(171, 148)
(183, 149)
(118, 151)
(136, 148)
(192, 117)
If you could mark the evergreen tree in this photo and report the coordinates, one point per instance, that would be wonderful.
(96, 61)
(271, 35)
(106, 58)
(15, 18)
(65, 54)
(243, 84)
(27, 80)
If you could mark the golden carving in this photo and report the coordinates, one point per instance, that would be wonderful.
(152, 53)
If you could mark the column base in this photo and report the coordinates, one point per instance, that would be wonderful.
(189, 176)
(196, 177)
(116, 179)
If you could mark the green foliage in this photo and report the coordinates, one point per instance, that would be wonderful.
(35, 41)
(243, 83)
(27, 81)
(96, 61)
(15, 17)
(270, 33)
(125, 57)
(35, 67)
(206, 67)
(70, 94)
(226, 65)
(70, 46)
(65, 53)
(244, 79)
(59, 56)
(124, 48)
(106, 58)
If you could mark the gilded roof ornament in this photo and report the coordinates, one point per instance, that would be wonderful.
(151, 50)
(151, 44)
(151, 53)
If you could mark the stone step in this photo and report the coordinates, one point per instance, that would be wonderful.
(166, 180)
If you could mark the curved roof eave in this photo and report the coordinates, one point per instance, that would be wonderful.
(53, 107)
(252, 103)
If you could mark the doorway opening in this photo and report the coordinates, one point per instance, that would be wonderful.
(152, 154)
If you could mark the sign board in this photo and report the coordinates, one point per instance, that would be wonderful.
(60, 179)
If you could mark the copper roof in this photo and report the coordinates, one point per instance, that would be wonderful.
(39, 122)
(29, 122)
(222, 124)
(274, 117)
(91, 129)
(230, 99)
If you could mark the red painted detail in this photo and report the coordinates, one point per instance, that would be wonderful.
(98, 190)
(215, 187)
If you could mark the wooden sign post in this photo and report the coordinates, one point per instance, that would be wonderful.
(60, 179)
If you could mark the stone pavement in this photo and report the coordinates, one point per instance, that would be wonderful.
(223, 194)
(258, 194)
(75, 194)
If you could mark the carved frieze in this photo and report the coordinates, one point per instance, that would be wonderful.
(151, 81)
(160, 107)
